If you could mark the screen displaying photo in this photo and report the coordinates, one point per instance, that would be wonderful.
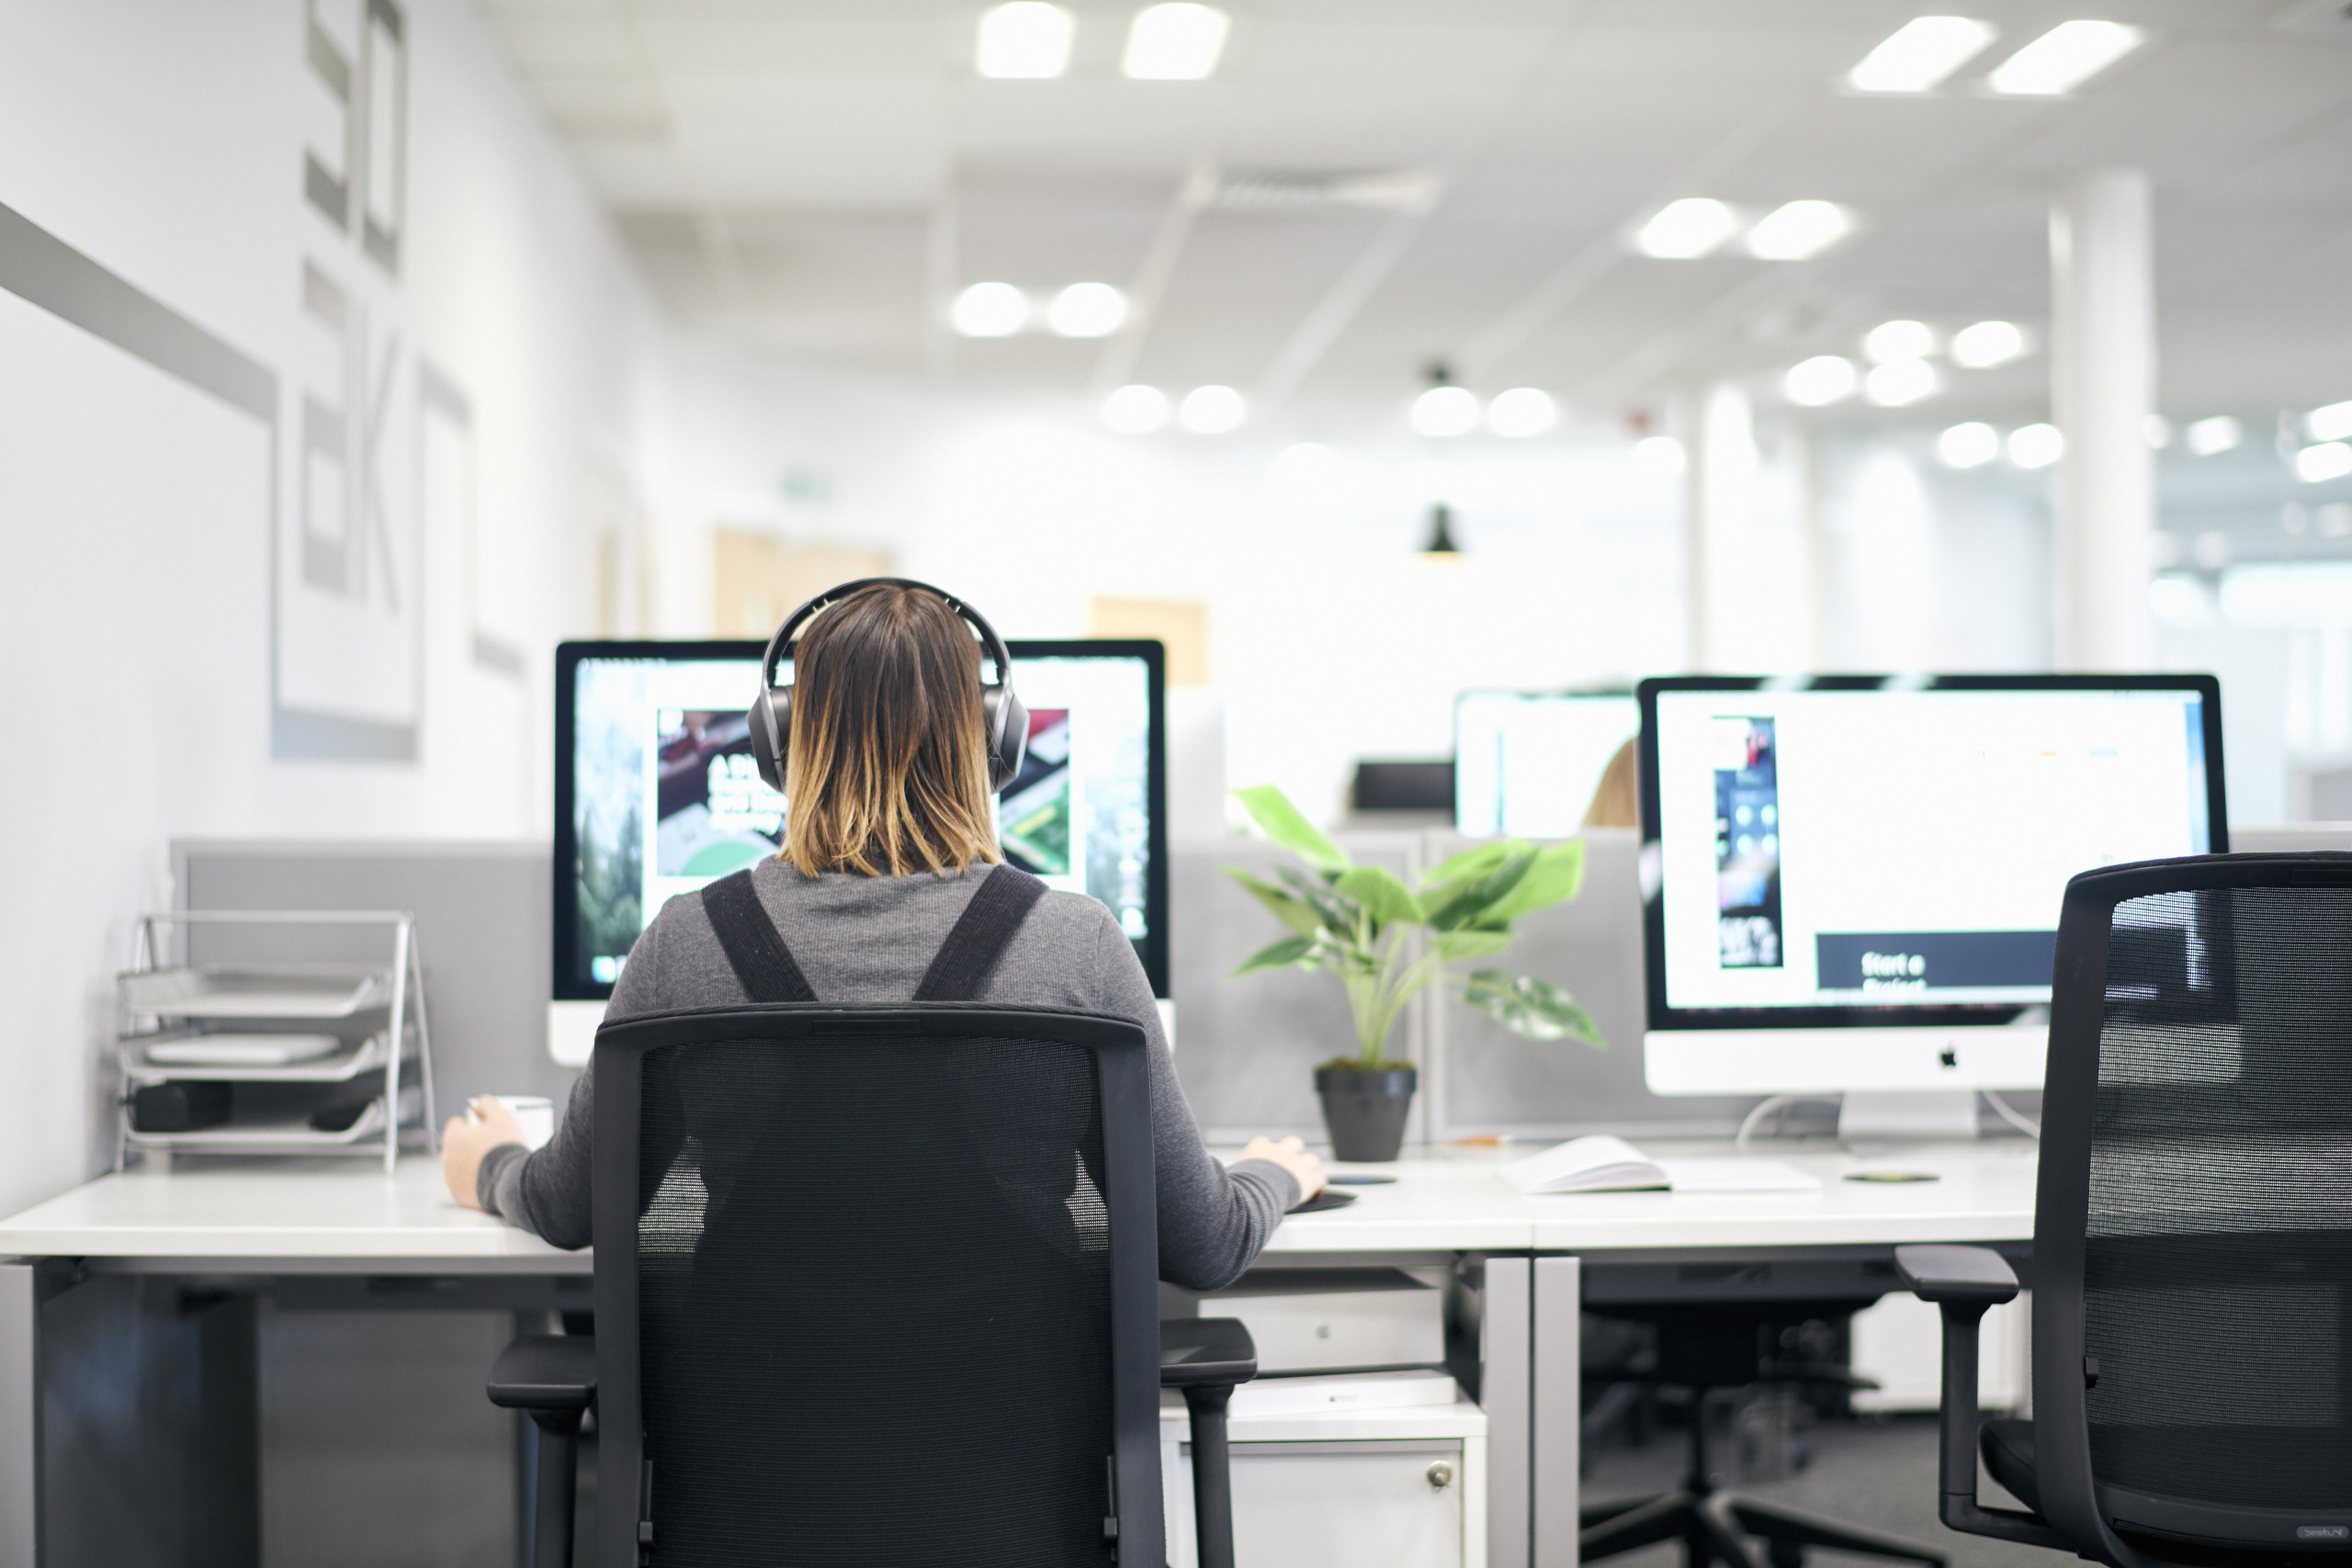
(666, 796)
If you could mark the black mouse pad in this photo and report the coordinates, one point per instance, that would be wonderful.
(1327, 1199)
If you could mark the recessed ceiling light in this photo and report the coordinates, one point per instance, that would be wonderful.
(1175, 42)
(1136, 410)
(1797, 230)
(1660, 455)
(2218, 434)
(1987, 343)
(1899, 383)
(1445, 410)
(1087, 310)
(2328, 461)
(1969, 445)
(2036, 445)
(1920, 54)
(1688, 227)
(2333, 423)
(1899, 340)
(990, 309)
(1521, 411)
(1023, 39)
(1823, 378)
(1212, 411)
(2064, 58)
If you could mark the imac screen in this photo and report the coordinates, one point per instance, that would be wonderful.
(1855, 844)
(658, 794)
(1527, 763)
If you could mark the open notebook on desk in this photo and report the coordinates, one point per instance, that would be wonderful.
(1603, 1164)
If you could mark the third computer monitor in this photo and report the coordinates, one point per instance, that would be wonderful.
(1526, 764)
(1853, 883)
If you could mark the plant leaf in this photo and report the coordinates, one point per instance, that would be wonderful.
(1469, 864)
(1555, 878)
(1291, 950)
(1471, 903)
(1291, 911)
(1531, 1009)
(1339, 913)
(1456, 944)
(1382, 892)
(1279, 821)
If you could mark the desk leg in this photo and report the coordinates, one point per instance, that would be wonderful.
(1503, 1346)
(19, 1414)
(1557, 1406)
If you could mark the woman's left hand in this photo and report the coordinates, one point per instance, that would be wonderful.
(465, 1139)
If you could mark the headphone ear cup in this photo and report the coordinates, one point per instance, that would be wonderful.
(1006, 719)
(771, 725)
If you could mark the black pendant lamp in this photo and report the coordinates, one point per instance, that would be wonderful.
(1441, 546)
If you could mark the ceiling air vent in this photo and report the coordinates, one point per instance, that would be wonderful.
(1303, 190)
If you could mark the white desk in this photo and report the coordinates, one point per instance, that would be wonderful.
(303, 1222)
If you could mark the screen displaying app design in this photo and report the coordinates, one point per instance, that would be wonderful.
(1890, 849)
(667, 797)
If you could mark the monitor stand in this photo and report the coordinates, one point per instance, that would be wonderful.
(1940, 1115)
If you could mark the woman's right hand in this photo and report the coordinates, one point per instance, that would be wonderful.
(1293, 1155)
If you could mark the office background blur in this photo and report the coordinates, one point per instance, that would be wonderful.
(352, 354)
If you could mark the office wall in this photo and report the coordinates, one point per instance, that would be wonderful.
(320, 377)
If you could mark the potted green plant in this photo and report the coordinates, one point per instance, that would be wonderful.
(1388, 942)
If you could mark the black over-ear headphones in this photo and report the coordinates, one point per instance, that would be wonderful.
(1003, 720)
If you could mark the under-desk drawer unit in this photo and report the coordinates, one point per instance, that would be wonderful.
(1400, 1488)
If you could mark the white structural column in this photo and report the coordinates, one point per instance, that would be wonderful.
(2103, 384)
(1719, 524)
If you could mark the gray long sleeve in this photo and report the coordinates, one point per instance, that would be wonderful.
(868, 940)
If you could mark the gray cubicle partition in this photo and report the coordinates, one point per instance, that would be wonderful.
(483, 912)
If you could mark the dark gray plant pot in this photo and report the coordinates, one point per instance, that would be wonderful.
(1366, 1109)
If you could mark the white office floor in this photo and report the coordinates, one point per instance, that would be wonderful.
(1875, 1471)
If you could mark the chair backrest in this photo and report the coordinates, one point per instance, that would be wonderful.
(876, 1285)
(2193, 1232)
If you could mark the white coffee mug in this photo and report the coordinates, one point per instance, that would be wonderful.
(535, 1113)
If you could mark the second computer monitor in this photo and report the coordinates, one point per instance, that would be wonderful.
(1856, 880)
(1526, 764)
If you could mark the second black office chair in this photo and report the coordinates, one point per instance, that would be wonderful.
(2192, 1246)
(876, 1285)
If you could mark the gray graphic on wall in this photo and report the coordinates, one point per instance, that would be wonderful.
(383, 447)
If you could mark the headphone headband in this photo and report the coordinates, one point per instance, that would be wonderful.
(778, 645)
(1004, 721)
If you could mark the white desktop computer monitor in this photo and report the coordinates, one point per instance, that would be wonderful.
(1526, 764)
(1852, 883)
(657, 795)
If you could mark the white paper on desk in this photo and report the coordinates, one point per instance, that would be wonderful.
(1602, 1164)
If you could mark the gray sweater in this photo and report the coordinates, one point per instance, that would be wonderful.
(867, 939)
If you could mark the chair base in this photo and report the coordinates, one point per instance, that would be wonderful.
(1713, 1528)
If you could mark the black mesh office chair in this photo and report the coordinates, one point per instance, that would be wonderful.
(2192, 1248)
(876, 1285)
(1704, 1346)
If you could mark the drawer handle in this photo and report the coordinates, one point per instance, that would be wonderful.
(1440, 1475)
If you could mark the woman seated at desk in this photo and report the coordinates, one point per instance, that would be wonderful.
(878, 865)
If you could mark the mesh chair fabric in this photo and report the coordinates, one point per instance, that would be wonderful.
(2218, 1237)
(822, 1388)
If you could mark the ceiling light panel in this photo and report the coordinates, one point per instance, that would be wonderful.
(2333, 423)
(1969, 445)
(1212, 411)
(1136, 410)
(1825, 378)
(1899, 340)
(1798, 229)
(1025, 39)
(1445, 410)
(1986, 344)
(1087, 310)
(2063, 58)
(1175, 42)
(1521, 412)
(2036, 445)
(1691, 227)
(1899, 383)
(990, 309)
(2220, 434)
(1920, 54)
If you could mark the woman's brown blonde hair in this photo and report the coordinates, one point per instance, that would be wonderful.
(887, 769)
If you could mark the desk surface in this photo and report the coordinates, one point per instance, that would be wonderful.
(282, 1214)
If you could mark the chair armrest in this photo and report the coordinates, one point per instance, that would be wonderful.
(544, 1372)
(1975, 1276)
(1204, 1352)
